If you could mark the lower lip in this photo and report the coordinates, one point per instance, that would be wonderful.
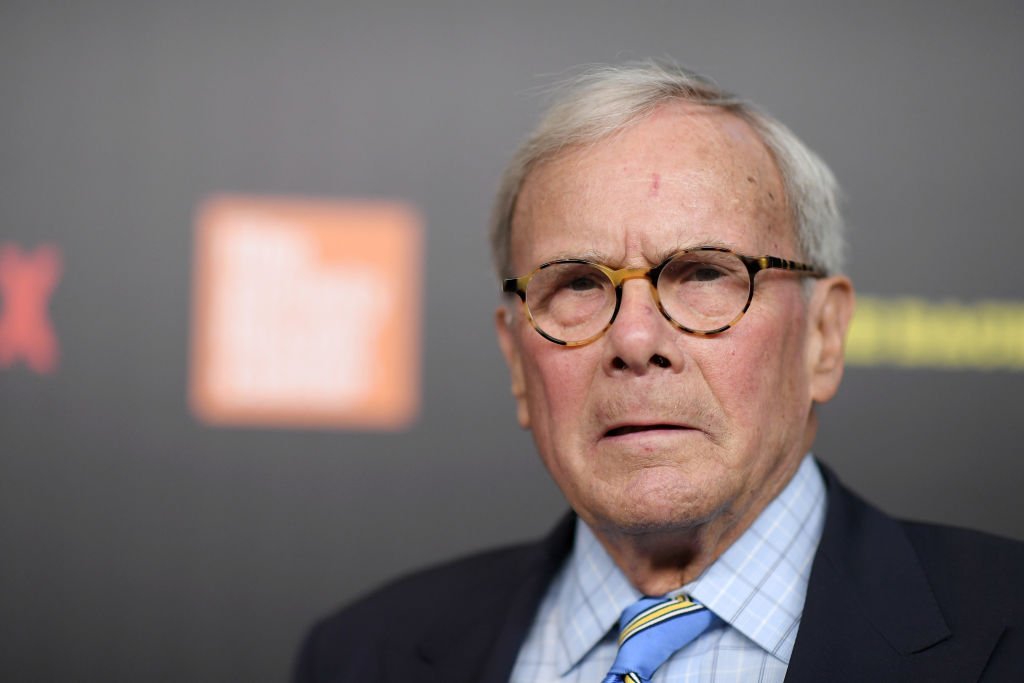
(649, 433)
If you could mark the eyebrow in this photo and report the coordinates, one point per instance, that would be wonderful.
(703, 241)
(586, 255)
(661, 255)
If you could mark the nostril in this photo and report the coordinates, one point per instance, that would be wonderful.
(619, 364)
(660, 361)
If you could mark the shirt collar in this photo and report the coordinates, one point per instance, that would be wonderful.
(757, 586)
(592, 596)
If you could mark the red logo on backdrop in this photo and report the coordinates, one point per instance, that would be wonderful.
(27, 279)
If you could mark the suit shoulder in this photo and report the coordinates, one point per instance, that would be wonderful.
(480, 571)
(955, 558)
(966, 545)
(404, 608)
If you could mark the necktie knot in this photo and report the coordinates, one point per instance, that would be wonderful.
(650, 631)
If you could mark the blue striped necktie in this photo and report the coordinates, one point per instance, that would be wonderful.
(650, 631)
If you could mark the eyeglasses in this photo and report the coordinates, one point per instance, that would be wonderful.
(701, 291)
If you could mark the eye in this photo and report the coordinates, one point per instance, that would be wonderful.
(582, 284)
(706, 274)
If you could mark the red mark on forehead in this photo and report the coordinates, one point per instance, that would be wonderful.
(26, 281)
(655, 185)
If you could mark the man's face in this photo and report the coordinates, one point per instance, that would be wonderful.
(649, 428)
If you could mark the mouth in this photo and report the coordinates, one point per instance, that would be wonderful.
(633, 429)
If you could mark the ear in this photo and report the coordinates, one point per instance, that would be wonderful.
(830, 312)
(510, 349)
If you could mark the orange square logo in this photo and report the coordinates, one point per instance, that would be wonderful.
(306, 313)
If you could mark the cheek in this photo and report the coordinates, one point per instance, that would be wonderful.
(557, 386)
(757, 375)
(734, 372)
(558, 381)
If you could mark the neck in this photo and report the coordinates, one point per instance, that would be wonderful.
(657, 563)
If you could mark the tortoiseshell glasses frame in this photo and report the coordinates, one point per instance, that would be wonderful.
(753, 265)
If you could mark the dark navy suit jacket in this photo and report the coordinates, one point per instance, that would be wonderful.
(886, 601)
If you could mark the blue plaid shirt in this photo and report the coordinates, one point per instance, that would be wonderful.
(756, 590)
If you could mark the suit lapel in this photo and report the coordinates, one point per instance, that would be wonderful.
(870, 609)
(479, 642)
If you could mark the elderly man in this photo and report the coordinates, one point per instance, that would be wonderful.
(675, 308)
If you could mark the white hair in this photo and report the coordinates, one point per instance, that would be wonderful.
(607, 99)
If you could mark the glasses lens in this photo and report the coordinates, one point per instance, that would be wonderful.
(570, 301)
(704, 290)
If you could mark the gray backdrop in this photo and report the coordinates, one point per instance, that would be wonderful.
(138, 544)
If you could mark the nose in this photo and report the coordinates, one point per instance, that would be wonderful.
(641, 340)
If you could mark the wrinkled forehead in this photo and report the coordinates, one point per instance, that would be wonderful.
(684, 175)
